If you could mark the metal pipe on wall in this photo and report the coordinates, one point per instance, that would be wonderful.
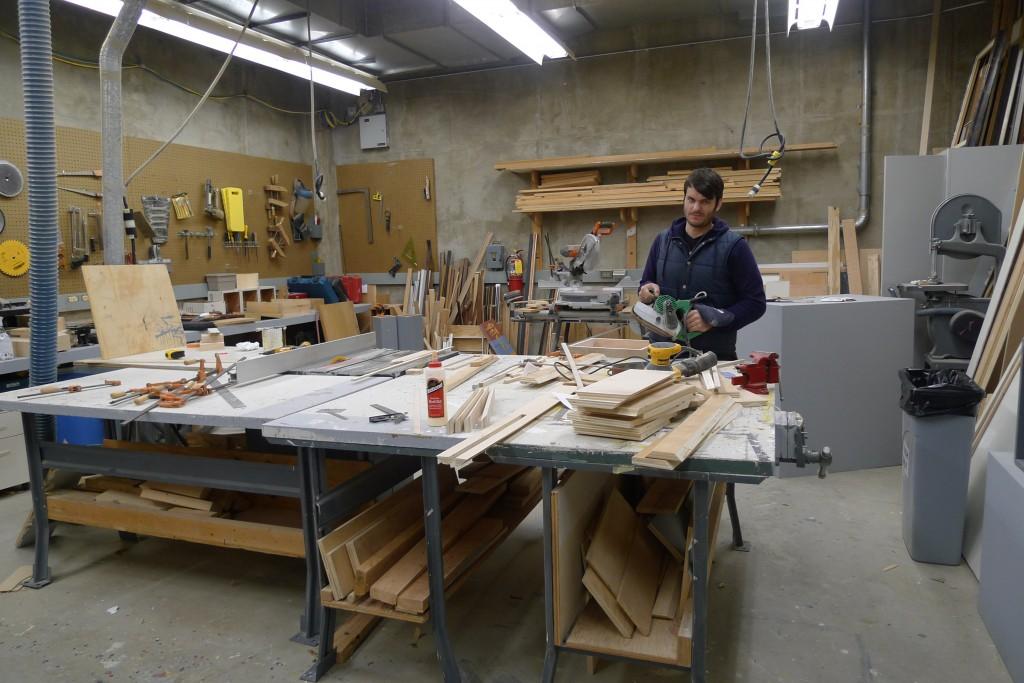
(864, 181)
(111, 54)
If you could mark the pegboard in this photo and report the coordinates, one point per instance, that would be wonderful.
(181, 168)
(400, 184)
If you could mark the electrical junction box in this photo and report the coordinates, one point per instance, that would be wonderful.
(495, 258)
(373, 131)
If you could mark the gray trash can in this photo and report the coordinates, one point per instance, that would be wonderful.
(938, 425)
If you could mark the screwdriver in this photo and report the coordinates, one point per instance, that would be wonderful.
(72, 388)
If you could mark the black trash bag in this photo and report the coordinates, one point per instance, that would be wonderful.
(924, 393)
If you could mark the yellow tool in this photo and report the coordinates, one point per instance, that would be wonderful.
(174, 354)
(661, 354)
(14, 258)
(234, 211)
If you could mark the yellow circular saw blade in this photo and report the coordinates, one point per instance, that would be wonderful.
(14, 259)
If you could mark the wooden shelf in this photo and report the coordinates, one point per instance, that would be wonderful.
(594, 633)
(587, 161)
(80, 507)
(376, 608)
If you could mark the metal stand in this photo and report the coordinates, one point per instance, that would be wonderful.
(734, 518)
(309, 622)
(41, 522)
(699, 569)
(435, 569)
(547, 478)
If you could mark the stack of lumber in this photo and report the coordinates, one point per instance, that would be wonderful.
(376, 561)
(664, 190)
(1003, 328)
(615, 408)
(151, 494)
(570, 179)
(473, 413)
(636, 567)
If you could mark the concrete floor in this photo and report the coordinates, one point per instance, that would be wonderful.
(814, 601)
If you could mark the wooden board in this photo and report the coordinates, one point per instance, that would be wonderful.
(588, 161)
(667, 600)
(592, 632)
(574, 503)
(608, 552)
(133, 309)
(474, 543)
(640, 580)
(338, 320)
(605, 598)
(664, 496)
(856, 285)
(412, 216)
(682, 441)
(834, 256)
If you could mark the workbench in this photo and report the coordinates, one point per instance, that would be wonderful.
(261, 401)
(741, 453)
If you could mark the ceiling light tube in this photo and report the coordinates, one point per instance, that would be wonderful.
(808, 14)
(204, 29)
(505, 19)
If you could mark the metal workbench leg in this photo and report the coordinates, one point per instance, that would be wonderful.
(326, 655)
(41, 522)
(309, 622)
(435, 568)
(547, 477)
(699, 645)
(734, 518)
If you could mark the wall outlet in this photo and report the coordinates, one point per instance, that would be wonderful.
(72, 299)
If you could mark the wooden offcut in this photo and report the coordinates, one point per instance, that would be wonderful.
(834, 255)
(605, 598)
(682, 441)
(133, 309)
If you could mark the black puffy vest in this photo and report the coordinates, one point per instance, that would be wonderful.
(682, 274)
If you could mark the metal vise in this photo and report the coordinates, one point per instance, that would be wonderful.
(791, 444)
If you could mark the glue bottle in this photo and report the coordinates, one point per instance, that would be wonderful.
(437, 403)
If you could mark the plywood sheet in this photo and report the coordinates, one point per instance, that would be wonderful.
(133, 309)
(338, 320)
(400, 184)
(181, 168)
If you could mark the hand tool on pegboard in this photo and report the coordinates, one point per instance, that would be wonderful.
(84, 193)
(11, 182)
(95, 173)
(211, 205)
(98, 218)
(14, 258)
(79, 248)
(130, 230)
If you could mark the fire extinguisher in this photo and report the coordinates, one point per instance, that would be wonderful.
(514, 271)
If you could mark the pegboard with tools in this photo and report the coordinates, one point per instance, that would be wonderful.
(180, 169)
(399, 197)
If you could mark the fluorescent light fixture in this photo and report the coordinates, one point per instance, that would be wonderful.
(204, 29)
(505, 19)
(808, 14)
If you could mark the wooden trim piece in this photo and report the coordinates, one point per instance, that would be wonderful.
(460, 454)
(929, 83)
(681, 442)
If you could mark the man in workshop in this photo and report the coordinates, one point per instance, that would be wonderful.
(699, 253)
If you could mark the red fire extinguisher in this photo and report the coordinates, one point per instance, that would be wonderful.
(514, 271)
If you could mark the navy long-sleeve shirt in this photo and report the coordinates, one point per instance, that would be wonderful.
(743, 270)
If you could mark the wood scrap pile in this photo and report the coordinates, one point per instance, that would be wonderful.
(664, 190)
(458, 299)
(543, 371)
(993, 102)
(637, 569)
(376, 561)
(1003, 328)
(622, 407)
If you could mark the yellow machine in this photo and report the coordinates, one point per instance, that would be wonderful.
(660, 354)
(234, 212)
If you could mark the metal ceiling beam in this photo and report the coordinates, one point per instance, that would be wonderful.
(279, 19)
(410, 50)
(331, 37)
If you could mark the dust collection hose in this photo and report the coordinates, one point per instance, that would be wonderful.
(41, 148)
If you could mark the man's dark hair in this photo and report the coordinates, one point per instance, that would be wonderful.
(707, 182)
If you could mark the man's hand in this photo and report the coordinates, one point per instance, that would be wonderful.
(649, 292)
(695, 323)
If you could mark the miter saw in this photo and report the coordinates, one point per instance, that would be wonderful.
(582, 258)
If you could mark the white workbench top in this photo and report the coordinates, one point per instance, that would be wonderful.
(263, 401)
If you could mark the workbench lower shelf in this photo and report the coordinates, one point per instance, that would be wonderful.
(594, 634)
(80, 507)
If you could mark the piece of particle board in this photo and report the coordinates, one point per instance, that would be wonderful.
(640, 579)
(667, 601)
(607, 553)
(605, 599)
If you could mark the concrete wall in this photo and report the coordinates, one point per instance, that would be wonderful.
(678, 98)
(153, 108)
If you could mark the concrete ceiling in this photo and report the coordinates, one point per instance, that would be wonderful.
(396, 39)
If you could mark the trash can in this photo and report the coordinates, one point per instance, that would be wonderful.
(938, 424)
